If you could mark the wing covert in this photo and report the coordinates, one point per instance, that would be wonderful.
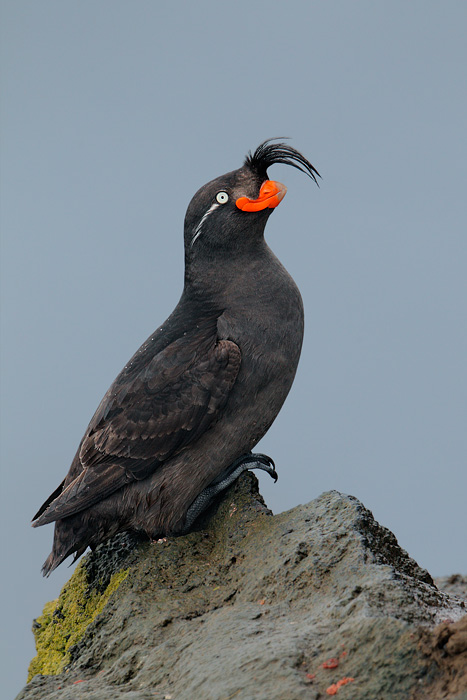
(150, 413)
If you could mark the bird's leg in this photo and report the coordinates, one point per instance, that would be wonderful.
(224, 480)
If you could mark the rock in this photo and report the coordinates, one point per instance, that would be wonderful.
(455, 585)
(317, 601)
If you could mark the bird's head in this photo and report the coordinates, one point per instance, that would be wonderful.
(229, 214)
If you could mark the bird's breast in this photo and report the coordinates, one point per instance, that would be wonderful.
(267, 323)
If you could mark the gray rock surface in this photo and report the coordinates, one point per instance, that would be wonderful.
(252, 605)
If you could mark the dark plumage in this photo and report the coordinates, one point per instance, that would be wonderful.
(204, 388)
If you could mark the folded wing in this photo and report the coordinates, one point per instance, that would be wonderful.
(152, 411)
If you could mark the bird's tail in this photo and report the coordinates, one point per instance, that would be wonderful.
(51, 563)
(67, 541)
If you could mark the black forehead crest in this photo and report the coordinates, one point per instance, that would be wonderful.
(269, 153)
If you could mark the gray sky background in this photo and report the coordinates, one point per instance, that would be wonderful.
(114, 113)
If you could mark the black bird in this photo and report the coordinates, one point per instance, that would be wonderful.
(179, 422)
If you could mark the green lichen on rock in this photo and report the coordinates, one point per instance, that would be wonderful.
(65, 620)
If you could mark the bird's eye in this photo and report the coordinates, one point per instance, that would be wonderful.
(222, 197)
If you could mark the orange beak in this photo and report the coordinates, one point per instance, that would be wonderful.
(270, 194)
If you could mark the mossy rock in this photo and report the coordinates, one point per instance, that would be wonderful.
(250, 605)
(64, 621)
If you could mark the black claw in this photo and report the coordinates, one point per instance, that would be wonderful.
(224, 480)
(267, 460)
(255, 461)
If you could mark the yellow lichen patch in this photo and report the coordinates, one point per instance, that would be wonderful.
(65, 620)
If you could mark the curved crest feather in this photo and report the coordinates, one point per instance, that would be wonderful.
(269, 153)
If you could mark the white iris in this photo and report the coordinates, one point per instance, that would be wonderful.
(222, 197)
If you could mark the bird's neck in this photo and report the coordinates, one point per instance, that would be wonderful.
(212, 275)
(234, 280)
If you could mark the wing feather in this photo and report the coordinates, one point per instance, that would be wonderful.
(147, 416)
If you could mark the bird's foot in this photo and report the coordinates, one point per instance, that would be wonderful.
(224, 480)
